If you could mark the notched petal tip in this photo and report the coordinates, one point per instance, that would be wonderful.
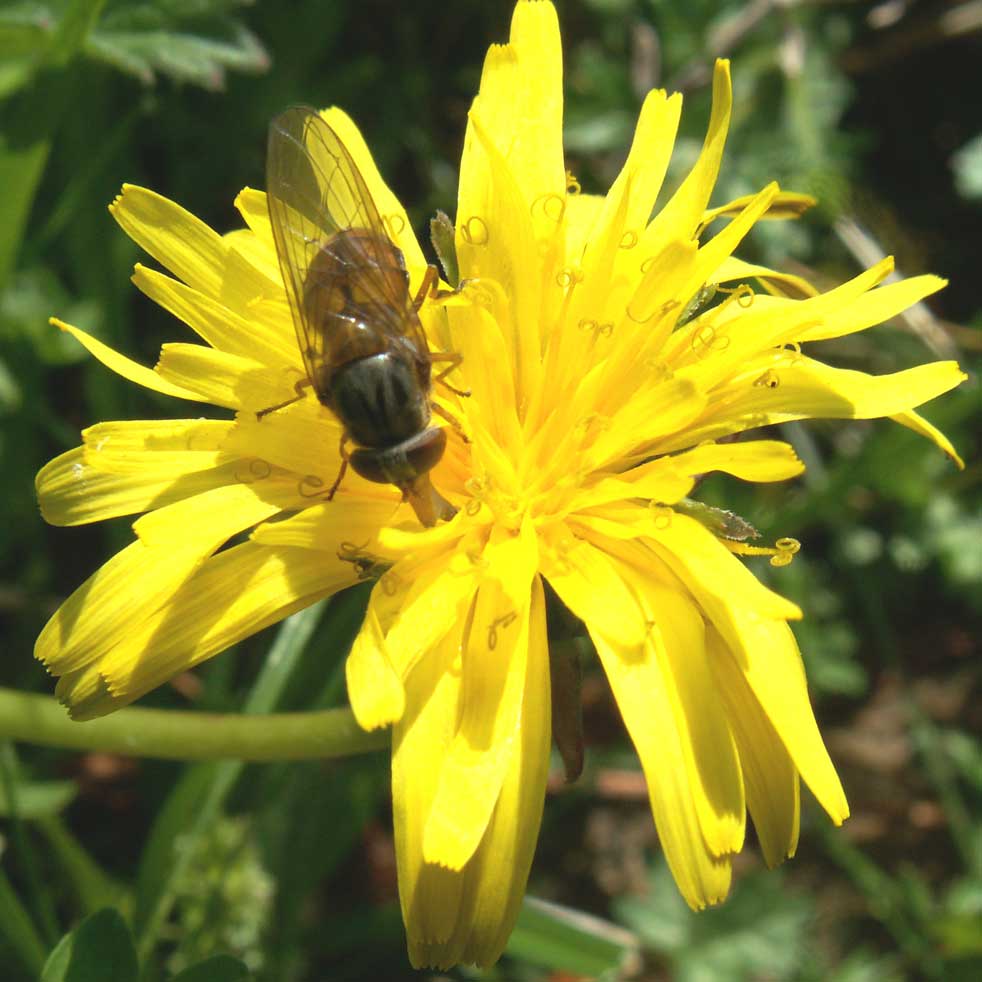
(86, 694)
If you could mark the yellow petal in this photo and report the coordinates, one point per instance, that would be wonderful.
(487, 372)
(375, 691)
(111, 605)
(214, 515)
(467, 915)
(766, 653)
(582, 213)
(123, 366)
(346, 525)
(593, 288)
(304, 438)
(579, 572)
(535, 133)
(520, 101)
(251, 205)
(676, 638)
(494, 669)
(258, 255)
(224, 379)
(788, 204)
(73, 489)
(721, 245)
(160, 448)
(640, 688)
(684, 210)
(231, 596)
(714, 346)
(784, 387)
(723, 586)
(776, 281)
(173, 236)
(917, 423)
(89, 622)
(768, 771)
(659, 480)
(648, 319)
(430, 895)
(811, 389)
(497, 874)
(662, 408)
(755, 460)
(495, 240)
(611, 262)
(218, 325)
(436, 596)
(875, 307)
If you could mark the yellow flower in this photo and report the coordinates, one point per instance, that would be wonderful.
(596, 399)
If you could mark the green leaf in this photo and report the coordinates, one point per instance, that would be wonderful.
(34, 799)
(30, 120)
(94, 888)
(219, 968)
(100, 948)
(561, 938)
(17, 928)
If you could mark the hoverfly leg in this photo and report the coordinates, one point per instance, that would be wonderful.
(456, 291)
(299, 388)
(454, 358)
(344, 467)
(451, 419)
(428, 288)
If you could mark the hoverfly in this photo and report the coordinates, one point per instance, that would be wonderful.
(358, 328)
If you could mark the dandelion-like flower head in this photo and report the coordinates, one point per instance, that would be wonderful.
(600, 386)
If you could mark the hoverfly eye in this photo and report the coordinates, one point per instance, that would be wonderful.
(402, 464)
(428, 453)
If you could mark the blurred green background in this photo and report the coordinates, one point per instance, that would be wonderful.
(875, 109)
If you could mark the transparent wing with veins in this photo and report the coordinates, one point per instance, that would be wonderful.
(314, 191)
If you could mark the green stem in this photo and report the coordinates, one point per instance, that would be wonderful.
(179, 735)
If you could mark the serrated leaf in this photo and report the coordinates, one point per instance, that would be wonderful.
(185, 56)
(100, 948)
(760, 930)
(442, 237)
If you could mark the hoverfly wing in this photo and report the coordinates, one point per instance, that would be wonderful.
(299, 221)
(315, 191)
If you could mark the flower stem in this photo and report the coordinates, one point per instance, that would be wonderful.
(179, 735)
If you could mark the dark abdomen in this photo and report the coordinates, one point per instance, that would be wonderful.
(379, 400)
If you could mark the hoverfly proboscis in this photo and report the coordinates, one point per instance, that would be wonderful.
(362, 344)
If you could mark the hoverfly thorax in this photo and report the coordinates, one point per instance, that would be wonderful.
(357, 325)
